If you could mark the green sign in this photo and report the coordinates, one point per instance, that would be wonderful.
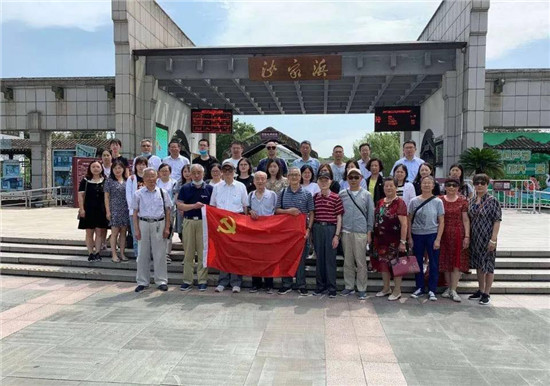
(161, 141)
(526, 169)
(515, 155)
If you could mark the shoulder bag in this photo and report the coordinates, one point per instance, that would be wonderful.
(419, 207)
(404, 265)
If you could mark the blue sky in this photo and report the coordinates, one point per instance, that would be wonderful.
(75, 38)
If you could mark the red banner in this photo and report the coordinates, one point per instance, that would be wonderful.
(268, 247)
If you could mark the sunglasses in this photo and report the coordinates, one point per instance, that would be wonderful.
(271, 147)
(353, 177)
(480, 183)
(451, 185)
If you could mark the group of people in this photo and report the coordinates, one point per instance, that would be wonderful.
(349, 205)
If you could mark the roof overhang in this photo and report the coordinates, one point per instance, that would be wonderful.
(372, 75)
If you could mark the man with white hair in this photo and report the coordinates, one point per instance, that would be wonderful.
(153, 161)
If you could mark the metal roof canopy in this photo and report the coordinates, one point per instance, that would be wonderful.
(372, 75)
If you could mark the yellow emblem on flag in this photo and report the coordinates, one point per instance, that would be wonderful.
(230, 226)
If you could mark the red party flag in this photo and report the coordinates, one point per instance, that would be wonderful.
(270, 246)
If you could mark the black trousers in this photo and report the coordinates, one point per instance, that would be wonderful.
(257, 282)
(326, 256)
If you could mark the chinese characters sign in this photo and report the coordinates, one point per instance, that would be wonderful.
(295, 68)
(397, 118)
(515, 155)
(211, 121)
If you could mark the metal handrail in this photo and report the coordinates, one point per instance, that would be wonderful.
(33, 196)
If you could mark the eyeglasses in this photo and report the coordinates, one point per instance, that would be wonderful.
(353, 177)
(451, 185)
(480, 183)
(294, 175)
(271, 147)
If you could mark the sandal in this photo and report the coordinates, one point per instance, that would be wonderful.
(115, 259)
(123, 258)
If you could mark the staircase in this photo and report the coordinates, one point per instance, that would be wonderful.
(517, 272)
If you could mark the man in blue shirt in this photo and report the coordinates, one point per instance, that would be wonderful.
(305, 149)
(411, 161)
(191, 198)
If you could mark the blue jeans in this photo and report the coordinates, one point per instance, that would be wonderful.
(423, 243)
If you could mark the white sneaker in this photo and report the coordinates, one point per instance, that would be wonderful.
(446, 293)
(431, 296)
(236, 289)
(455, 297)
(219, 288)
(417, 293)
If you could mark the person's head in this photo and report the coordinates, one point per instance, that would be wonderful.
(236, 149)
(197, 172)
(307, 174)
(139, 165)
(351, 164)
(216, 171)
(186, 173)
(337, 153)
(364, 150)
(260, 180)
(354, 176)
(451, 186)
(481, 183)
(164, 171)
(174, 147)
(95, 170)
(294, 176)
(424, 170)
(150, 178)
(117, 170)
(146, 146)
(244, 167)
(115, 145)
(325, 168)
(324, 179)
(106, 157)
(228, 171)
(427, 184)
(409, 148)
(390, 187)
(457, 171)
(273, 169)
(204, 145)
(400, 172)
(271, 148)
(375, 166)
(305, 148)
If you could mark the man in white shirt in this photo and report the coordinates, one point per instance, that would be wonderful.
(410, 160)
(236, 153)
(364, 150)
(175, 159)
(338, 166)
(229, 195)
(153, 161)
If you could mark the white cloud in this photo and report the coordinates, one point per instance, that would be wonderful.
(87, 15)
(515, 23)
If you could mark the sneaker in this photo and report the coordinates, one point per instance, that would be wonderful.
(475, 296)
(186, 287)
(304, 292)
(332, 294)
(446, 293)
(140, 288)
(362, 295)
(455, 297)
(393, 297)
(431, 296)
(253, 290)
(269, 291)
(382, 294)
(202, 287)
(284, 291)
(485, 299)
(319, 292)
(91, 257)
(417, 293)
(219, 288)
(347, 292)
(163, 287)
(236, 289)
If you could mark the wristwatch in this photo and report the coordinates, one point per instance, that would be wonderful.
(337, 235)
(404, 242)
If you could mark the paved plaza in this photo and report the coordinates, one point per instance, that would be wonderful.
(71, 332)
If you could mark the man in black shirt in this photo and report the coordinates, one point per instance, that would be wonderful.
(205, 159)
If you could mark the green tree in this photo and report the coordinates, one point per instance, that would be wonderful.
(384, 146)
(485, 160)
(241, 131)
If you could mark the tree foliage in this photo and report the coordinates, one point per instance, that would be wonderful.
(241, 131)
(485, 160)
(384, 146)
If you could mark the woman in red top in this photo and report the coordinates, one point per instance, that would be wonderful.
(390, 234)
(453, 258)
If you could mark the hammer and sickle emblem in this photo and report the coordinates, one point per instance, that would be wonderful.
(229, 227)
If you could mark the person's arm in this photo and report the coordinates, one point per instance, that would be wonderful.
(107, 207)
(370, 218)
(336, 238)
(493, 242)
(130, 190)
(466, 223)
(311, 217)
(404, 222)
(244, 199)
(81, 211)
(440, 227)
(166, 232)
(136, 225)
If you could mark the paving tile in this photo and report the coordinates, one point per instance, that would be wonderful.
(153, 338)
(287, 344)
(20, 295)
(382, 374)
(337, 348)
(461, 329)
(108, 335)
(131, 316)
(232, 341)
(19, 310)
(79, 314)
(247, 319)
(286, 371)
(535, 377)
(210, 368)
(55, 284)
(501, 376)
(440, 374)
(137, 366)
(427, 351)
(45, 333)
(16, 381)
(42, 312)
(345, 372)
(526, 332)
(367, 327)
(10, 327)
(376, 349)
(363, 309)
(412, 329)
(16, 281)
(532, 302)
(13, 356)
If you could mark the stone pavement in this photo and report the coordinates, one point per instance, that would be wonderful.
(519, 231)
(70, 332)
